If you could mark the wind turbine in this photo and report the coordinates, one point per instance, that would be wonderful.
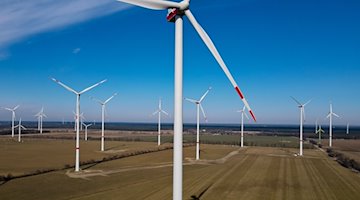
(86, 128)
(40, 115)
(103, 104)
(159, 111)
(81, 120)
(12, 110)
(331, 113)
(347, 128)
(316, 125)
(320, 131)
(198, 108)
(20, 127)
(302, 119)
(77, 148)
(242, 125)
(176, 11)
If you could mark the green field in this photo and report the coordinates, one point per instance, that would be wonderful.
(248, 173)
(249, 140)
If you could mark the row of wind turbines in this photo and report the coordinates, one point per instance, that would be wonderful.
(13, 127)
(176, 12)
(318, 129)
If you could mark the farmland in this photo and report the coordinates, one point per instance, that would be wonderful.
(350, 148)
(225, 172)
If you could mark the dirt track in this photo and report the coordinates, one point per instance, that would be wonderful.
(86, 174)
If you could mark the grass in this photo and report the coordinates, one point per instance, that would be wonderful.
(249, 140)
(254, 173)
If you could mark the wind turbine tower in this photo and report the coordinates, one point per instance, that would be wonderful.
(330, 115)
(198, 108)
(320, 131)
(103, 104)
(20, 127)
(302, 119)
(86, 130)
(176, 12)
(12, 110)
(78, 94)
(40, 115)
(159, 111)
(242, 125)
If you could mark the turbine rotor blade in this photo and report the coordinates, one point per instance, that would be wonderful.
(107, 100)
(9, 109)
(328, 115)
(65, 86)
(191, 100)
(205, 37)
(156, 112)
(91, 87)
(203, 112)
(97, 100)
(153, 4)
(307, 102)
(204, 95)
(296, 101)
(16, 107)
(336, 115)
(246, 115)
(164, 112)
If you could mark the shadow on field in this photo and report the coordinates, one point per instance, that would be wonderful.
(3, 183)
(194, 197)
(90, 166)
(114, 147)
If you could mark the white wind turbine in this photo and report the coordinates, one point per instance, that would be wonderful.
(198, 108)
(159, 111)
(20, 127)
(103, 104)
(302, 119)
(40, 115)
(86, 129)
(347, 128)
(77, 148)
(331, 113)
(242, 125)
(176, 11)
(320, 131)
(81, 120)
(12, 110)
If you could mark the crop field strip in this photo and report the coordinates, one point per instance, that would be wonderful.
(253, 173)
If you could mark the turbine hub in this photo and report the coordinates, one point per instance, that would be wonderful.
(184, 5)
(172, 13)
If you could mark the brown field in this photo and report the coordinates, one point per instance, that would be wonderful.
(225, 172)
(33, 154)
(350, 148)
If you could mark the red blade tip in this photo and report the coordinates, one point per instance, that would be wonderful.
(252, 115)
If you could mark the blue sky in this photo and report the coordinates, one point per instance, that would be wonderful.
(274, 49)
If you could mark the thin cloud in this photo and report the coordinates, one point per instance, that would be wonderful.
(20, 19)
(76, 51)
